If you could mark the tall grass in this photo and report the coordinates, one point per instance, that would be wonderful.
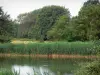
(81, 48)
(8, 72)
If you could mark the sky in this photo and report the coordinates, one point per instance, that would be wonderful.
(16, 7)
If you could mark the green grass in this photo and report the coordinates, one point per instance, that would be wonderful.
(81, 48)
(8, 72)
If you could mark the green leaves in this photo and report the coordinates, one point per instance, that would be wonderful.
(5, 26)
(89, 17)
(86, 26)
(48, 16)
(59, 30)
(55, 23)
(28, 27)
(91, 2)
(89, 69)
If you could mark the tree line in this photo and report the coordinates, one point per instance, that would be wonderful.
(55, 23)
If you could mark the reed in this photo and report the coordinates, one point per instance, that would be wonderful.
(75, 48)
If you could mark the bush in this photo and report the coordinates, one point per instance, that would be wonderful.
(4, 39)
(89, 69)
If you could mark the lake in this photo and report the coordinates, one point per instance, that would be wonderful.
(30, 66)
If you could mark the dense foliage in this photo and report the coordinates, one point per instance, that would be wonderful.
(5, 26)
(37, 23)
(28, 27)
(86, 25)
(60, 30)
(89, 69)
(8, 28)
(48, 17)
(55, 23)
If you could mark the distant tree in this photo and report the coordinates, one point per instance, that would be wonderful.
(15, 26)
(54, 22)
(48, 16)
(60, 30)
(23, 26)
(27, 25)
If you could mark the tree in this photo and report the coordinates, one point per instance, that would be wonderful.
(48, 16)
(75, 30)
(5, 26)
(15, 26)
(93, 2)
(28, 22)
(90, 21)
(87, 23)
(60, 30)
(35, 24)
(22, 29)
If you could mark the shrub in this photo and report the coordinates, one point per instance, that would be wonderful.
(4, 39)
(89, 69)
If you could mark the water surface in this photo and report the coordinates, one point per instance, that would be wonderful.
(31, 66)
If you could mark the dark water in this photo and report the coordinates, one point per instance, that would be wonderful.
(41, 66)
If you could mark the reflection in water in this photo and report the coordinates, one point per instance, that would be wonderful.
(23, 70)
(28, 70)
(30, 66)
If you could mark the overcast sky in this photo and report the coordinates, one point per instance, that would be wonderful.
(15, 7)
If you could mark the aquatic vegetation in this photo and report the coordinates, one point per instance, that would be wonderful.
(75, 48)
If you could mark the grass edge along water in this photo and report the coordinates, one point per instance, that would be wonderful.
(69, 48)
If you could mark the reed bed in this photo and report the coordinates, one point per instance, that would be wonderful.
(75, 48)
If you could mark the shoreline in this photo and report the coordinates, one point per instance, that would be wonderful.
(53, 56)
